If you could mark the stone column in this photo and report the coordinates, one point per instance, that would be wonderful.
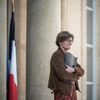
(43, 24)
(3, 47)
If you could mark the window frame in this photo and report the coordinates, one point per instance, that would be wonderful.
(93, 47)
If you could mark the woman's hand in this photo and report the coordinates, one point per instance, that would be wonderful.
(70, 69)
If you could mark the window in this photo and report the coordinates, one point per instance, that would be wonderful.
(91, 94)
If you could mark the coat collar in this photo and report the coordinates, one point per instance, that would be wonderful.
(60, 49)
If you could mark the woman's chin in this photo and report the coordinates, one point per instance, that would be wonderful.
(67, 48)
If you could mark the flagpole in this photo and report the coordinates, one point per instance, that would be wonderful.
(13, 1)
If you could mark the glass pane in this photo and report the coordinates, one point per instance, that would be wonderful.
(89, 64)
(89, 92)
(89, 27)
(90, 3)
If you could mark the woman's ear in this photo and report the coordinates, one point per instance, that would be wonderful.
(59, 43)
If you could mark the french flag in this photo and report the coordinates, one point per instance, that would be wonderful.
(12, 90)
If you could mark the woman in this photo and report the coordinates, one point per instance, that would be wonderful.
(64, 81)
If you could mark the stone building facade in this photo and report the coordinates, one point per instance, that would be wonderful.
(37, 25)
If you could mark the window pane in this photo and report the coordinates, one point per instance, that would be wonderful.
(89, 92)
(90, 3)
(89, 64)
(89, 27)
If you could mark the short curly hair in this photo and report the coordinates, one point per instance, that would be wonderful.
(62, 36)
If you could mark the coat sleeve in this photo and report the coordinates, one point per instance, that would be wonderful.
(57, 62)
(79, 70)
